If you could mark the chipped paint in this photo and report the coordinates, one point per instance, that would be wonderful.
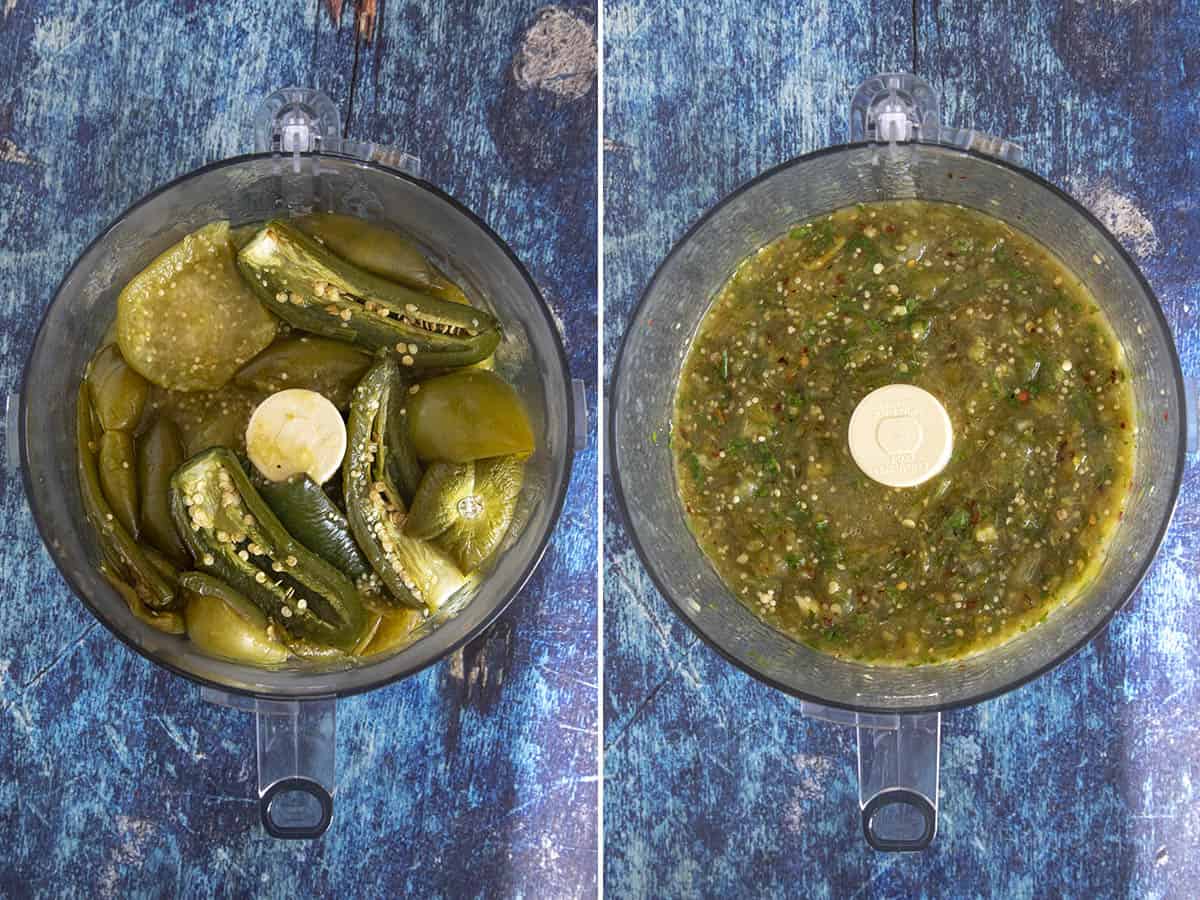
(557, 54)
(11, 153)
(54, 34)
(1120, 214)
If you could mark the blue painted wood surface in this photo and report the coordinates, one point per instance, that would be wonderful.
(1081, 784)
(474, 778)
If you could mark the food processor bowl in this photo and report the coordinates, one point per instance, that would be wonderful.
(295, 738)
(899, 156)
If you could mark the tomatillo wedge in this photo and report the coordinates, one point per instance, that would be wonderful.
(223, 623)
(415, 572)
(314, 290)
(395, 630)
(466, 416)
(466, 508)
(188, 321)
(233, 535)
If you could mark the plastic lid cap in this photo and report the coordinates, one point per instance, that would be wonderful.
(900, 435)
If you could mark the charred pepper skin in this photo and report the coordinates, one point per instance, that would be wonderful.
(233, 535)
(126, 562)
(311, 518)
(314, 290)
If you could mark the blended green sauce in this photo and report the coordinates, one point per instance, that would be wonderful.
(1016, 350)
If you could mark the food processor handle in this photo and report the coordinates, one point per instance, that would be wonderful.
(898, 767)
(898, 782)
(296, 761)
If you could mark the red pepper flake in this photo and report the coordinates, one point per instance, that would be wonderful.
(1023, 396)
(1123, 426)
(1165, 417)
(841, 278)
(779, 408)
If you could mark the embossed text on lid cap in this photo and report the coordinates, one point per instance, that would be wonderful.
(900, 435)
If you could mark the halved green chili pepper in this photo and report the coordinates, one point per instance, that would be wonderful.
(381, 250)
(118, 392)
(118, 478)
(127, 561)
(308, 286)
(159, 454)
(403, 467)
(233, 535)
(331, 368)
(415, 572)
(372, 247)
(311, 518)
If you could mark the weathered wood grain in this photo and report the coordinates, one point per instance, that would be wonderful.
(475, 778)
(1080, 784)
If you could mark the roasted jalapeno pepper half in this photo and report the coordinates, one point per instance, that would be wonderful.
(415, 572)
(159, 454)
(308, 286)
(311, 518)
(234, 536)
(127, 563)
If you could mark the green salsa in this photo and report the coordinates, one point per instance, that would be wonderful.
(1020, 356)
